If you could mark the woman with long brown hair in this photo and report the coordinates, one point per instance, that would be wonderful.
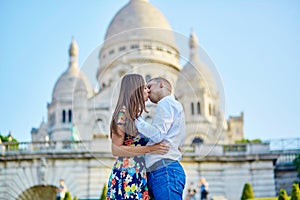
(128, 178)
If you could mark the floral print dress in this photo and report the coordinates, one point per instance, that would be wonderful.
(128, 179)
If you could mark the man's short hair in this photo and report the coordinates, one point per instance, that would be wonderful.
(165, 81)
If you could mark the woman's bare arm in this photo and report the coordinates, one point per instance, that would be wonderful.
(118, 149)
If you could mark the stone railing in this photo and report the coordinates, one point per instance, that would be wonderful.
(226, 150)
(51, 146)
(103, 145)
(96, 145)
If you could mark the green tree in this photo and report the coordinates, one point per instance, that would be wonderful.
(104, 191)
(68, 196)
(295, 192)
(283, 195)
(75, 198)
(11, 139)
(244, 141)
(8, 138)
(256, 141)
(296, 162)
(247, 192)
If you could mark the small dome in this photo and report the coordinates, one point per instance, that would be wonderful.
(138, 14)
(69, 83)
(198, 75)
(195, 74)
(72, 80)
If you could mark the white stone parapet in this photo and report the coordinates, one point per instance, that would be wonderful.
(103, 145)
(86, 165)
(225, 150)
(96, 145)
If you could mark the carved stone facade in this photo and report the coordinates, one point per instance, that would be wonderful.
(85, 167)
(139, 39)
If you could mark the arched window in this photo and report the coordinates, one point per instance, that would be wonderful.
(134, 46)
(159, 48)
(197, 140)
(111, 51)
(147, 46)
(70, 115)
(209, 109)
(198, 108)
(122, 48)
(192, 108)
(100, 125)
(52, 119)
(63, 116)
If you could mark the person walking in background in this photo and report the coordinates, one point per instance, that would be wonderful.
(166, 177)
(128, 177)
(203, 185)
(192, 191)
(61, 190)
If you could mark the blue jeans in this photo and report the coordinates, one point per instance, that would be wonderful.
(167, 183)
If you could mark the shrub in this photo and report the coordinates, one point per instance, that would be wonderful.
(296, 162)
(68, 196)
(244, 141)
(104, 191)
(247, 192)
(75, 198)
(295, 195)
(283, 195)
(256, 141)
(9, 138)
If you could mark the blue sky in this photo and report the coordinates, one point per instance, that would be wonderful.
(254, 45)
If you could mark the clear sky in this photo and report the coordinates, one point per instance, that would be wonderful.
(254, 44)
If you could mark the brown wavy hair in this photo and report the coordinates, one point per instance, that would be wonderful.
(131, 101)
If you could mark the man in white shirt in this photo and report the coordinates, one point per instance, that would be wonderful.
(166, 177)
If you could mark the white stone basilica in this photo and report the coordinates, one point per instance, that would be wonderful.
(140, 40)
(74, 143)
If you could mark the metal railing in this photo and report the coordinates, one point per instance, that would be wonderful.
(286, 158)
(284, 144)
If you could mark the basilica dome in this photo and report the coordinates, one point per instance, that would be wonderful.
(141, 20)
(139, 34)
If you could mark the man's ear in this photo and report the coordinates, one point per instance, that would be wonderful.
(161, 84)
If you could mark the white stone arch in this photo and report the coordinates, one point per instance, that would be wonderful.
(84, 177)
(40, 192)
(189, 138)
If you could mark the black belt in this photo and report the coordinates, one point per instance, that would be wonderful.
(160, 164)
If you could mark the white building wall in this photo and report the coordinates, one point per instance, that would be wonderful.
(227, 179)
(86, 167)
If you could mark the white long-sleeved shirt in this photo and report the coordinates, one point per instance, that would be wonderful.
(168, 125)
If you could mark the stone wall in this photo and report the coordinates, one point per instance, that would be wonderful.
(85, 167)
